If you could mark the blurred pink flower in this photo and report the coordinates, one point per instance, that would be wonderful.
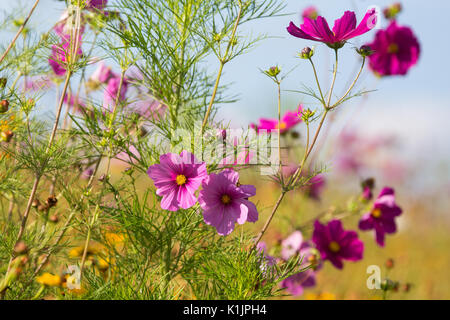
(310, 12)
(96, 4)
(112, 90)
(344, 28)
(288, 121)
(396, 50)
(102, 74)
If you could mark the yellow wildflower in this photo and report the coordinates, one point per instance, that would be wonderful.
(48, 279)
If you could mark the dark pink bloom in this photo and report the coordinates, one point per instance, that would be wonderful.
(296, 283)
(111, 91)
(96, 4)
(396, 50)
(310, 13)
(225, 202)
(316, 186)
(288, 121)
(344, 28)
(58, 58)
(336, 244)
(382, 216)
(177, 178)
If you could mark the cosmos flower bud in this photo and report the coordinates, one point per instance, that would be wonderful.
(392, 11)
(273, 71)
(307, 115)
(365, 51)
(54, 218)
(6, 136)
(406, 287)
(390, 263)
(307, 53)
(3, 82)
(51, 201)
(35, 203)
(4, 104)
(20, 248)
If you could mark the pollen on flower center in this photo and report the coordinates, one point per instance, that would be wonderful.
(334, 246)
(393, 48)
(225, 199)
(181, 179)
(282, 125)
(376, 213)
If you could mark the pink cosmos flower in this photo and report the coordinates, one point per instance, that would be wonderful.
(396, 50)
(310, 12)
(267, 261)
(96, 4)
(296, 283)
(316, 186)
(149, 109)
(291, 245)
(344, 28)
(288, 121)
(38, 83)
(58, 58)
(382, 216)
(102, 74)
(225, 202)
(336, 244)
(177, 178)
(111, 90)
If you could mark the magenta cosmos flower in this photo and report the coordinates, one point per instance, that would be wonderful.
(58, 58)
(177, 178)
(111, 91)
(336, 244)
(396, 50)
(288, 121)
(382, 216)
(96, 4)
(344, 28)
(224, 201)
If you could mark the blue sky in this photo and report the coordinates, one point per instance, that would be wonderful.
(415, 107)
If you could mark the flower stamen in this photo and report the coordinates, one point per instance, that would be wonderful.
(180, 179)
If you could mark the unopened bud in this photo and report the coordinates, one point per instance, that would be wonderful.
(3, 82)
(51, 201)
(390, 263)
(392, 11)
(4, 104)
(307, 53)
(35, 203)
(273, 71)
(54, 218)
(365, 51)
(20, 248)
(6, 136)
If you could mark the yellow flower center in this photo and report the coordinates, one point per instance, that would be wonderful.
(393, 48)
(282, 125)
(376, 213)
(225, 199)
(334, 246)
(181, 179)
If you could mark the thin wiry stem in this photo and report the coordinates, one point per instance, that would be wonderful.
(11, 44)
(223, 61)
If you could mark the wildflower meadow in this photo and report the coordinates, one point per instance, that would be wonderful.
(222, 150)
